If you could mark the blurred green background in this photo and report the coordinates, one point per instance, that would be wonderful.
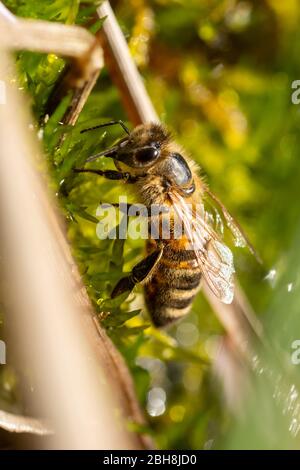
(219, 73)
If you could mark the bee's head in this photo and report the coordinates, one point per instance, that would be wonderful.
(142, 148)
(149, 149)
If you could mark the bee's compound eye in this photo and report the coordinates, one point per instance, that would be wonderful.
(146, 155)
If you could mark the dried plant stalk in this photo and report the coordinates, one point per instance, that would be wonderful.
(22, 424)
(123, 70)
(44, 36)
(50, 326)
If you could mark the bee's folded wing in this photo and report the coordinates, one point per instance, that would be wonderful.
(214, 257)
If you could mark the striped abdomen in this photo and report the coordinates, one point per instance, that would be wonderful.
(174, 284)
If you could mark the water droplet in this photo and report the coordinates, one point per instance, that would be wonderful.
(40, 134)
(290, 287)
(156, 401)
(271, 277)
(294, 427)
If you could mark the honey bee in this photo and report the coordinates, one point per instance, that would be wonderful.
(165, 177)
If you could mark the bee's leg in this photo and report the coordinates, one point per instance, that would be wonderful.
(139, 273)
(109, 174)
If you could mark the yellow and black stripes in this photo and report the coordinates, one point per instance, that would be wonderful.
(174, 284)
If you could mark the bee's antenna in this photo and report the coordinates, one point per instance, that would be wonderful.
(111, 123)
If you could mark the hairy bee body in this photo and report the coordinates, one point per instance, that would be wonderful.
(165, 177)
(175, 282)
(171, 288)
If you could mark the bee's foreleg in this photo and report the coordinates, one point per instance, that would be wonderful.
(109, 174)
(141, 272)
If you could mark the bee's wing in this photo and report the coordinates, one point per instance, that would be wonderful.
(240, 238)
(218, 269)
(214, 258)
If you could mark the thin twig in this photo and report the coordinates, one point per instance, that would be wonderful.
(79, 99)
(123, 70)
